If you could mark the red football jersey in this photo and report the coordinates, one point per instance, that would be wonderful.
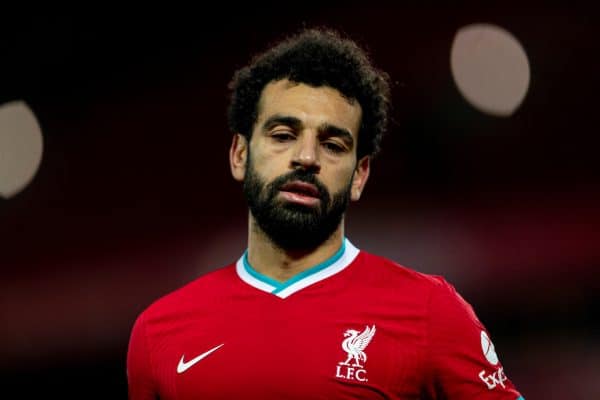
(357, 326)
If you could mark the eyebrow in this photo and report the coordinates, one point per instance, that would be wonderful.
(324, 129)
(278, 119)
(329, 130)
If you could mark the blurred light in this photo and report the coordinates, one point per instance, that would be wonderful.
(490, 68)
(21, 147)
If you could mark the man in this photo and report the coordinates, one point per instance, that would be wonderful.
(303, 313)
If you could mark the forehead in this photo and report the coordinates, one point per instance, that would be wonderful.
(312, 105)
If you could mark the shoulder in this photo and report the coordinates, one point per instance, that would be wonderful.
(384, 269)
(398, 284)
(199, 291)
(443, 308)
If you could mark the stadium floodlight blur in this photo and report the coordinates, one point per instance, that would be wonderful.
(490, 68)
(21, 147)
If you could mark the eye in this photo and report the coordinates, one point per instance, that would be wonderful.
(282, 136)
(334, 147)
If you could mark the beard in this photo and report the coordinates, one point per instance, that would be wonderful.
(292, 226)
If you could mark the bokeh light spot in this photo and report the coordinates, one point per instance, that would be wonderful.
(21, 147)
(490, 68)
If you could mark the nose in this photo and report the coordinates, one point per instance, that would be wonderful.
(306, 154)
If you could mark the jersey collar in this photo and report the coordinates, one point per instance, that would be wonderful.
(334, 264)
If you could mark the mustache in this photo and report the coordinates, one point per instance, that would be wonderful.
(302, 176)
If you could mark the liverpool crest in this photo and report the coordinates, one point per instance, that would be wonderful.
(354, 345)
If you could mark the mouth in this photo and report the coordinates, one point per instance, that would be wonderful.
(302, 188)
(301, 193)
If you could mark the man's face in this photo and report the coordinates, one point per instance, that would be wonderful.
(301, 169)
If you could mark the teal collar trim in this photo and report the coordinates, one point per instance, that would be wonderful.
(279, 286)
(334, 264)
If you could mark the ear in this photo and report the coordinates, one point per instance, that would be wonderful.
(361, 175)
(238, 156)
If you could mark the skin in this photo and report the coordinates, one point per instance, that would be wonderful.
(315, 141)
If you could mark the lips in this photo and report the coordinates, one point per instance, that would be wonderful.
(301, 188)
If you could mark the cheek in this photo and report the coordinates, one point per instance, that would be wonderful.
(269, 164)
(267, 174)
(261, 166)
(269, 171)
(341, 179)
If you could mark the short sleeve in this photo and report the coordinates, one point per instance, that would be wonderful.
(462, 359)
(139, 371)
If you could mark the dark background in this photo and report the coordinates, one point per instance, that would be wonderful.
(134, 197)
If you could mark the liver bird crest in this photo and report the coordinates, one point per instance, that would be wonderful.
(355, 343)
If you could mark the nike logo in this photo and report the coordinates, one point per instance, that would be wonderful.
(184, 366)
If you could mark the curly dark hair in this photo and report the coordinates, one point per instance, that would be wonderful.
(316, 57)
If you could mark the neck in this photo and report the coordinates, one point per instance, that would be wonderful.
(282, 264)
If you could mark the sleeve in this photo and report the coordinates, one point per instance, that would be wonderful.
(462, 358)
(139, 370)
